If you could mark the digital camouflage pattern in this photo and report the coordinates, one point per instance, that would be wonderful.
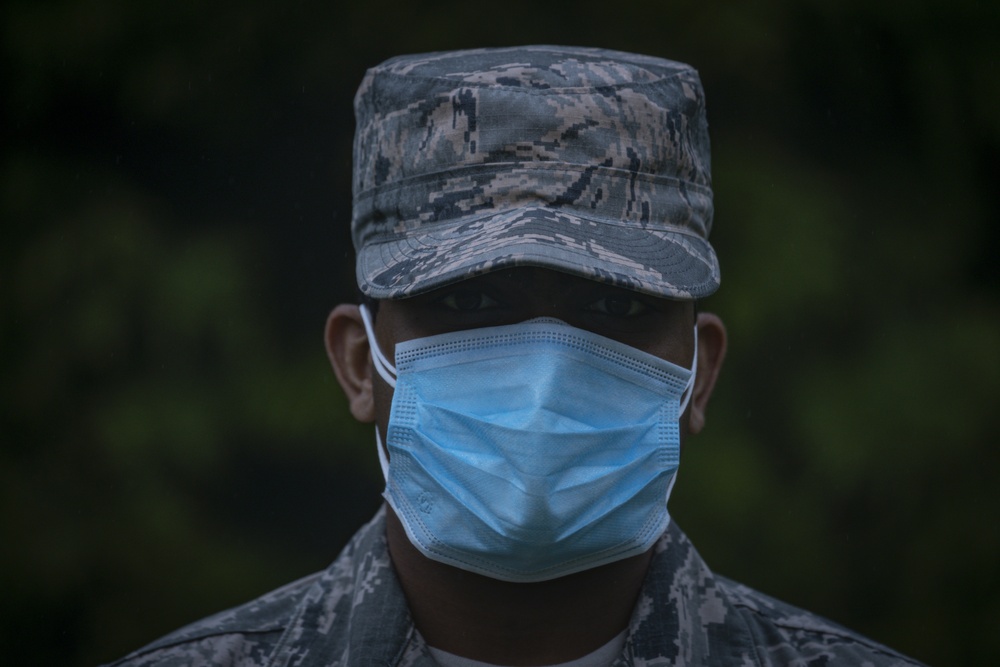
(588, 161)
(354, 614)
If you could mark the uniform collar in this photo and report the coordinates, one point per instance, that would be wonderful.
(682, 616)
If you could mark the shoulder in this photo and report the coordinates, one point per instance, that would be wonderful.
(289, 622)
(784, 634)
(689, 615)
(245, 635)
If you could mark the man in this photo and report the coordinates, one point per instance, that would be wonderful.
(531, 227)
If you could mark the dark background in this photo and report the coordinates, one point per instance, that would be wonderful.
(175, 203)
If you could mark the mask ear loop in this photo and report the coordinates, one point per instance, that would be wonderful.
(386, 370)
(382, 460)
(689, 390)
(382, 365)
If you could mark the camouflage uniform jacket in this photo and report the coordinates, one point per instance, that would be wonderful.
(355, 614)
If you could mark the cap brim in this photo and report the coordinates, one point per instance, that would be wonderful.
(664, 262)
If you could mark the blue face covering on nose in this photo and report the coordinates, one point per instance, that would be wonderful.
(530, 451)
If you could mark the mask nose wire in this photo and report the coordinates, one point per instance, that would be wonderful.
(388, 372)
(382, 365)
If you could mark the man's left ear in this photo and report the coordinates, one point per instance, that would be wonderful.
(349, 352)
(711, 352)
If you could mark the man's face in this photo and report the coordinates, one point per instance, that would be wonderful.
(661, 327)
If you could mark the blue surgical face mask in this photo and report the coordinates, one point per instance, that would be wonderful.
(530, 451)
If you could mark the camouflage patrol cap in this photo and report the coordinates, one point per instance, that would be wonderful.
(587, 161)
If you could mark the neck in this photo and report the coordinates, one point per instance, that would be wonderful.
(500, 622)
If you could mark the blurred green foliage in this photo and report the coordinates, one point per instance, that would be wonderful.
(175, 198)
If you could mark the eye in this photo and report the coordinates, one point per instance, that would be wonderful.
(468, 300)
(619, 305)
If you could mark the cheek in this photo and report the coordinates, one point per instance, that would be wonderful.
(677, 347)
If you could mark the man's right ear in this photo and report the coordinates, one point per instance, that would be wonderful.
(350, 355)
